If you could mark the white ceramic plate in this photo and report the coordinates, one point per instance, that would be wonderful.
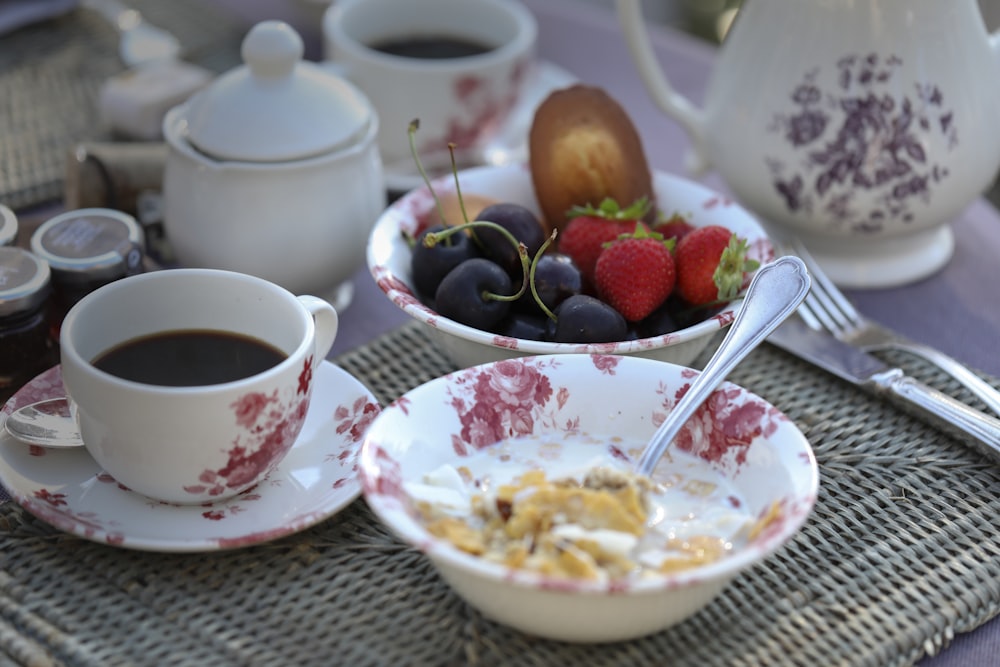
(510, 146)
(67, 489)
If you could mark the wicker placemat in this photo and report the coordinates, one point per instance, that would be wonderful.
(901, 553)
(50, 76)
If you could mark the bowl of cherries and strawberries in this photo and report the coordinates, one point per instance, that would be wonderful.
(472, 257)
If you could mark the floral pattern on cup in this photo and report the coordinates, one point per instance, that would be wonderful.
(865, 135)
(270, 426)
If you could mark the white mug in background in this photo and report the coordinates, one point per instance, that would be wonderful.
(206, 441)
(464, 100)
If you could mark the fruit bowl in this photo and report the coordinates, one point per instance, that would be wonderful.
(565, 413)
(388, 256)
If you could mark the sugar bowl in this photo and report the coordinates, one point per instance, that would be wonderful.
(274, 170)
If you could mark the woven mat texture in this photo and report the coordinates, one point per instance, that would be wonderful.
(901, 553)
(50, 76)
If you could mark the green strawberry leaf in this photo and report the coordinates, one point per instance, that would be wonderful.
(643, 232)
(733, 263)
(610, 210)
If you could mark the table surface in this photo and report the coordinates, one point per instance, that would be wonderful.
(957, 310)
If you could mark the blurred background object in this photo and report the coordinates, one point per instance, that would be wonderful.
(16, 14)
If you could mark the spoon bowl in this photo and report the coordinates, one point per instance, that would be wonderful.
(48, 423)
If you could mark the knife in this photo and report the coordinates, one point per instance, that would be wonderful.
(849, 363)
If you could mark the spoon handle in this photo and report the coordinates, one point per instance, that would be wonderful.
(774, 293)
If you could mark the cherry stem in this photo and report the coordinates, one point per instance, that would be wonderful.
(458, 187)
(411, 136)
(432, 238)
(531, 276)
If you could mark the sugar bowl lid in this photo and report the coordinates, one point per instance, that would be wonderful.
(276, 107)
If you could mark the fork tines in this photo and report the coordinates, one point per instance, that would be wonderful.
(825, 307)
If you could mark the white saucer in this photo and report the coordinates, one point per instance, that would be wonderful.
(67, 489)
(510, 146)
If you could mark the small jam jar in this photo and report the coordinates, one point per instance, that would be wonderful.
(8, 226)
(26, 345)
(88, 248)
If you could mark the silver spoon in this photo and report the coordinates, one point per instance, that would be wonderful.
(774, 293)
(46, 423)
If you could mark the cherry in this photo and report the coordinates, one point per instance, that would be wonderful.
(430, 264)
(524, 326)
(475, 293)
(661, 321)
(584, 319)
(555, 278)
(685, 315)
(522, 224)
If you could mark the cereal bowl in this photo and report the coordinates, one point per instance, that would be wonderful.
(455, 449)
(388, 257)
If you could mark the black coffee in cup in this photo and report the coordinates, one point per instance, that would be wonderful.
(189, 358)
(431, 47)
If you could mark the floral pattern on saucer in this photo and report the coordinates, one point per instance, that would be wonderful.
(67, 489)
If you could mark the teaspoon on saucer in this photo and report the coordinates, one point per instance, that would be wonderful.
(774, 293)
(47, 423)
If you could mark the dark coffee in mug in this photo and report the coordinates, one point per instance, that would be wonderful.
(188, 358)
(431, 47)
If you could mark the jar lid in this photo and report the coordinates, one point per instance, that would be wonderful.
(90, 244)
(24, 280)
(276, 107)
(8, 226)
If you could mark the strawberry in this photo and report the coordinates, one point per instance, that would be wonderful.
(590, 228)
(711, 262)
(675, 227)
(635, 273)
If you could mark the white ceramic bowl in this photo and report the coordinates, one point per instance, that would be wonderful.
(389, 262)
(763, 457)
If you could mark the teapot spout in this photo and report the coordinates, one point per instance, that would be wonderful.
(676, 106)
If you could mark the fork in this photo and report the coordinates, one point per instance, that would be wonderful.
(826, 307)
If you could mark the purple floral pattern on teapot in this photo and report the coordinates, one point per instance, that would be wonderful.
(868, 134)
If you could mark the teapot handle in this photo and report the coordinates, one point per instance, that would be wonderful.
(675, 105)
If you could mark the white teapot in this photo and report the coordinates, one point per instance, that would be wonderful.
(274, 170)
(862, 127)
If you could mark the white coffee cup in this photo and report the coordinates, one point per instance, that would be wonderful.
(463, 100)
(193, 444)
